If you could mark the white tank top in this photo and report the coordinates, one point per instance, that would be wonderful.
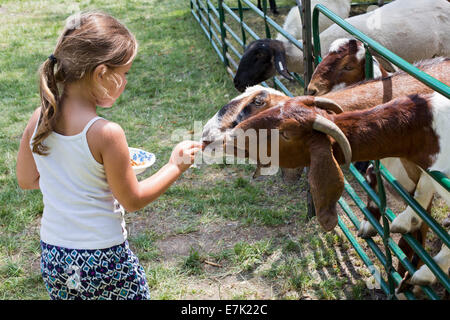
(80, 211)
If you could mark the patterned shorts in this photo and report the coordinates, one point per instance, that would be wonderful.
(105, 274)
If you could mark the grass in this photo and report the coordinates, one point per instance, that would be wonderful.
(254, 232)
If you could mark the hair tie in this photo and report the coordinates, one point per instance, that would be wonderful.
(52, 58)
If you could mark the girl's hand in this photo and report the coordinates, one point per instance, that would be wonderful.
(109, 140)
(184, 153)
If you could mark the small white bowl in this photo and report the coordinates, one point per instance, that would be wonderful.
(140, 156)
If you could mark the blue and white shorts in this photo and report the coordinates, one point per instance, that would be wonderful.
(105, 274)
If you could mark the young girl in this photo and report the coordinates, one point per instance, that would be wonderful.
(81, 164)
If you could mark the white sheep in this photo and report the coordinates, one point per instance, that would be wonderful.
(293, 22)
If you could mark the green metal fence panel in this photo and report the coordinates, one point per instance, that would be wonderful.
(217, 31)
(391, 216)
(375, 249)
(421, 76)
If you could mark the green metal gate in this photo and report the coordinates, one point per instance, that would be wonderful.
(212, 20)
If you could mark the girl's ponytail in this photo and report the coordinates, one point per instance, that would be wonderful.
(88, 40)
(50, 108)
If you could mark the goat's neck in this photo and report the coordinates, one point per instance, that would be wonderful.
(362, 96)
(375, 92)
(393, 130)
(371, 93)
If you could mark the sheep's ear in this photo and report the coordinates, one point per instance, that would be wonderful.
(326, 181)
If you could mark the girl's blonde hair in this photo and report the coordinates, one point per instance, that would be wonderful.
(88, 40)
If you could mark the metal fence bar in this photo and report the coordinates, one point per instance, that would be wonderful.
(441, 178)
(241, 18)
(244, 25)
(433, 224)
(381, 193)
(266, 25)
(235, 51)
(223, 33)
(412, 242)
(207, 32)
(403, 259)
(375, 249)
(213, 8)
(368, 215)
(233, 34)
(360, 251)
(281, 86)
(209, 20)
(283, 32)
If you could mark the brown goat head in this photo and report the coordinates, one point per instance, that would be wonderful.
(342, 66)
(306, 137)
(253, 101)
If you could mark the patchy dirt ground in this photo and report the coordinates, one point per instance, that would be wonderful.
(318, 260)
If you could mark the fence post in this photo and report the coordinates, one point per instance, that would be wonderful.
(304, 8)
(223, 33)
(305, 13)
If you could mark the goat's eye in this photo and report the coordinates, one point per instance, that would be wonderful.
(348, 68)
(284, 135)
(258, 102)
(259, 55)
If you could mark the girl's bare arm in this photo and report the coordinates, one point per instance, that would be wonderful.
(132, 194)
(26, 171)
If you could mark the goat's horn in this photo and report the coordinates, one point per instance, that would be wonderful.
(328, 104)
(324, 125)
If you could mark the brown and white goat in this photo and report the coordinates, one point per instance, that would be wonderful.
(363, 95)
(367, 93)
(414, 127)
(344, 66)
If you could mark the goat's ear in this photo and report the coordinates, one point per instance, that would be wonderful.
(326, 181)
(280, 62)
(289, 129)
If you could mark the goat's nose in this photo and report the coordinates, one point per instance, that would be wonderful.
(238, 85)
(311, 91)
